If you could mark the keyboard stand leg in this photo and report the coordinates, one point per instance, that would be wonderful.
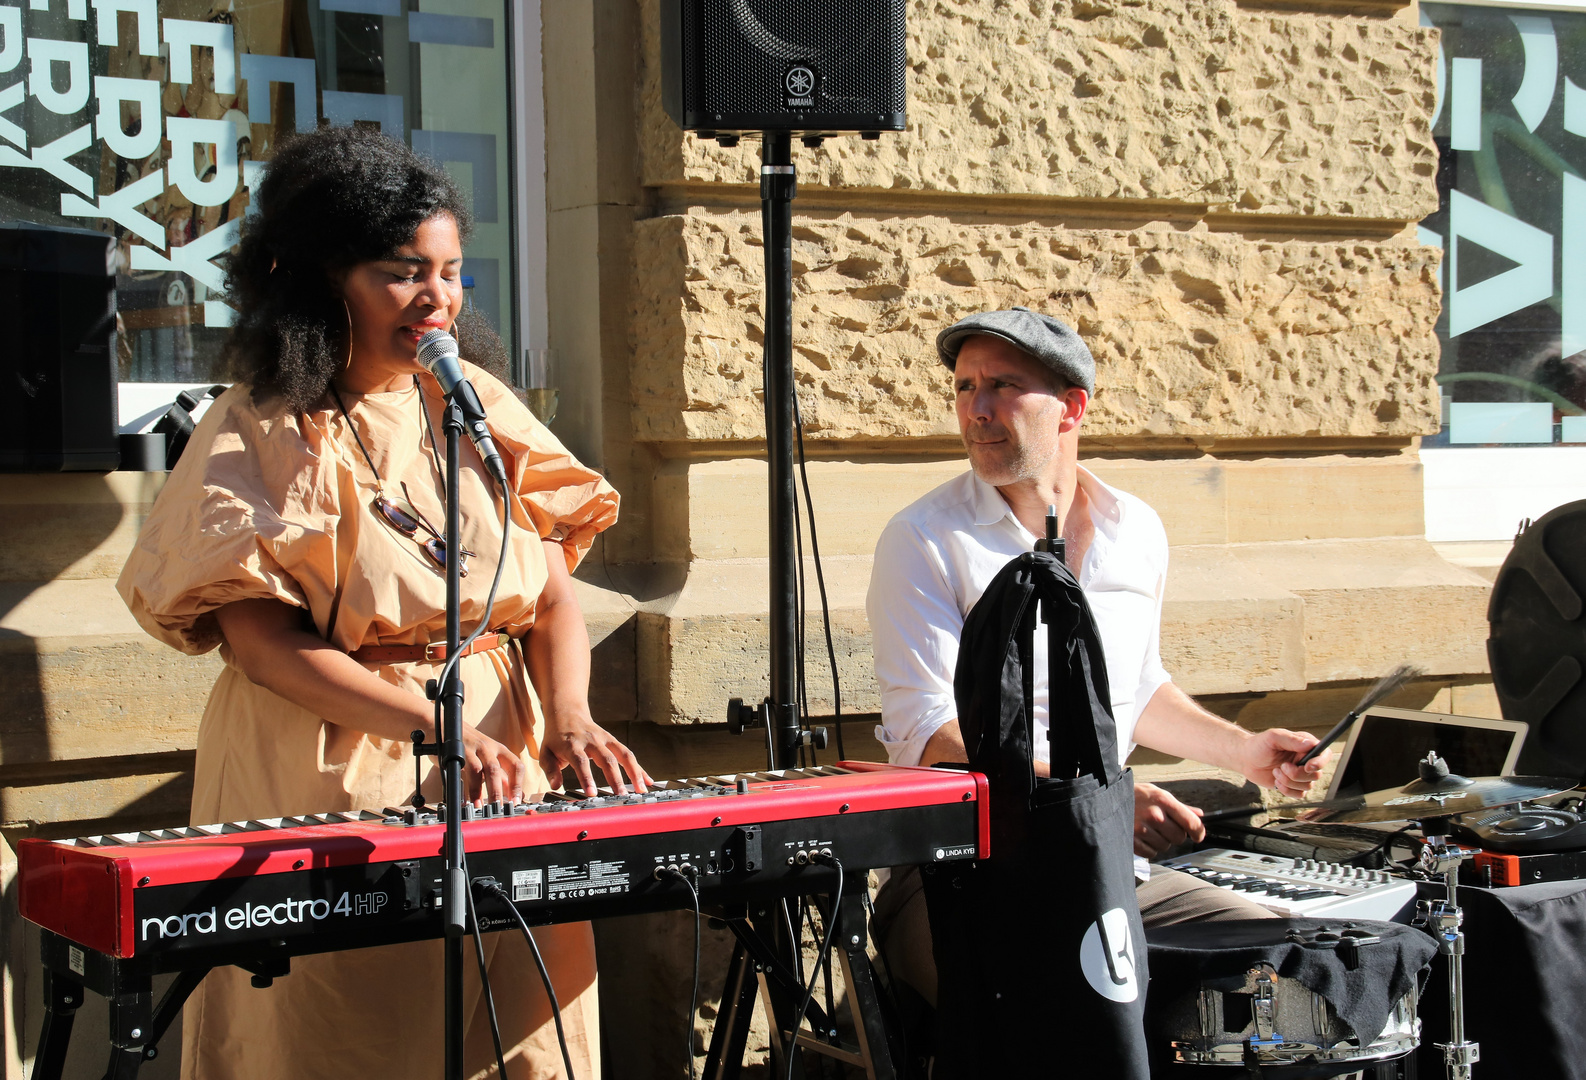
(872, 1053)
(757, 969)
(730, 1034)
(124, 1063)
(176, 996)
(131, 1023)
(62, 998)
(869, 1028)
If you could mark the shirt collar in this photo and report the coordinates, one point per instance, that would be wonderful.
(990, 506)
(1106, 508)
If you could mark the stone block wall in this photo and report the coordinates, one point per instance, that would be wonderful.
(1195, 333)
(1220, 199)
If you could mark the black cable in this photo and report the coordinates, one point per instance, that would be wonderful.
(886, 984)
(820, 581)
(811, 911)
(490, 598)
(808, 912)
(484, 979)
(801, 687)
(490, 603)
(826, 947)
(1385, 848)
(796, 938)
(500, 892)
(693, 1001)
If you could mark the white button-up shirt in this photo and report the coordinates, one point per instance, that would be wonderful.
(935, 559)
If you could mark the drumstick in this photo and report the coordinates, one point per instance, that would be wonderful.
(1385, 686)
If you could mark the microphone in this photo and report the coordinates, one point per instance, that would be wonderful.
(438, 356)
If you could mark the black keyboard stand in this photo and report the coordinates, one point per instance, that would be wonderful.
(137, 1024)
(757, 968)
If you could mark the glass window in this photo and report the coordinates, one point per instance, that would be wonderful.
(151, 120)
(1511, 131)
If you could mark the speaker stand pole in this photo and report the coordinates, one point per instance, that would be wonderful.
(784, 727)
(778, 185)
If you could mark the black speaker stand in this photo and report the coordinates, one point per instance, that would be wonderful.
(765, 959)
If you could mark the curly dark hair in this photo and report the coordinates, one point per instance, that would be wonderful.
(330, 199)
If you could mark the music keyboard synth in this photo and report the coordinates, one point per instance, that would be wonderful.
(1306, 887)
(206, 895)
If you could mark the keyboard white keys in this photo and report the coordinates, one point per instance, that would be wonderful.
(1304, 887)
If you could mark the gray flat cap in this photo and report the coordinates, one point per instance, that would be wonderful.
(1048, 340)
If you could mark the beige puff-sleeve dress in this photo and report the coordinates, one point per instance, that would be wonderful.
(279, 506)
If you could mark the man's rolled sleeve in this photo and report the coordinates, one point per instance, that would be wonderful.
(915, 626)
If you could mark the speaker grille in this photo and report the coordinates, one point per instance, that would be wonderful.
(794, 63)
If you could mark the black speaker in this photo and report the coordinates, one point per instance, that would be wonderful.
(1537, 645)
(813, 67)
(58, 366)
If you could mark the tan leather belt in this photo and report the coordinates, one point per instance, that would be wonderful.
(433, 653)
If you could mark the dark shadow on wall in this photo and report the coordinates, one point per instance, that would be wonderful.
(50, 525)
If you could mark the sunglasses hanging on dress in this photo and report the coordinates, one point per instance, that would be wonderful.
(401, 514)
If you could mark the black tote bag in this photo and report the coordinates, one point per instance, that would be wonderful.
(1040, 952)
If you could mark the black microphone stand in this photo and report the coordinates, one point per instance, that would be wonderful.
(454, 883)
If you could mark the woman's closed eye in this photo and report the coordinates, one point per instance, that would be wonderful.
(413, 277)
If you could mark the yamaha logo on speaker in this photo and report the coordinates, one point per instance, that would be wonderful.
(799, 82)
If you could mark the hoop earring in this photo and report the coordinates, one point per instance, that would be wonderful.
(347, 366)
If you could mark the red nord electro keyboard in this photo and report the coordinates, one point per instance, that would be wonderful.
(208, 895)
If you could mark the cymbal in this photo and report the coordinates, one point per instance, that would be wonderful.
(1420, 801)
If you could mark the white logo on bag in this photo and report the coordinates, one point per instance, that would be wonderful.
(1106, 956)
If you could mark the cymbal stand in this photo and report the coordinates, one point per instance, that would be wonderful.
(1444, 919)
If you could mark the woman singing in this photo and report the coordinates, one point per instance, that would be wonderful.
(298, 534)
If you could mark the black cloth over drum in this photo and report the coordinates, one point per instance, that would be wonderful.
(1362, 984)
(1040, 952)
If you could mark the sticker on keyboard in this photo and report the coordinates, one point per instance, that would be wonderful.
(594, 878)
(526, 884)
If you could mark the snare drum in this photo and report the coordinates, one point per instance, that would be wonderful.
(1267, 994)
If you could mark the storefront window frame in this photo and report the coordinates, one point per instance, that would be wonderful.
(1479, 493)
